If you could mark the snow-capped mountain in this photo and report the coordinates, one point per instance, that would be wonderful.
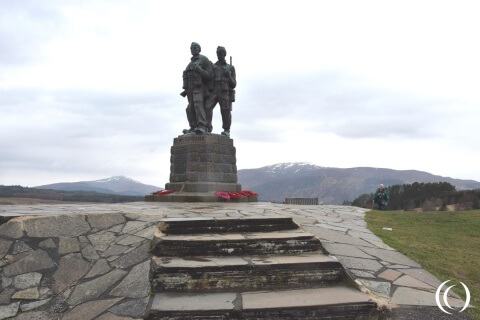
(331, 185)
(114, 185)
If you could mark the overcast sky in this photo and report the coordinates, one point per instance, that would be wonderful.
(90, 89)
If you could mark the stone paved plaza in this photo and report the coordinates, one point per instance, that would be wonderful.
(102, 253)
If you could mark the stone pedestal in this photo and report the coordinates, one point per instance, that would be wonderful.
(200, 166)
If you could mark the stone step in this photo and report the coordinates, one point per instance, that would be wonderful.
(338, 302)
(224, 225)
(234, 244)
(216, 274)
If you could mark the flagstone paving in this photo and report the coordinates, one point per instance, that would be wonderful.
(92, 260)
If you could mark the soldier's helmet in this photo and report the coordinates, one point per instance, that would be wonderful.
(196, 44)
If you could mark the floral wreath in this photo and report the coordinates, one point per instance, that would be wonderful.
(163, 192)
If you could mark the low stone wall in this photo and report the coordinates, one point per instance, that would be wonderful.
(76, 266)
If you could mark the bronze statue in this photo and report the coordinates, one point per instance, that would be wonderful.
(197, 82)
(224, 82)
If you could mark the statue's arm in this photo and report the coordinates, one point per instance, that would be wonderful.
(208, 69)
(205, 69)
(233, 78)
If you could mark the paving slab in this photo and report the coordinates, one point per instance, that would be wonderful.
(133, 257)
(105, 220)
(100, 267)
(136, 308)
(9, 310)
(136, 284)
(278, 235)
(301, 298)
(409, 296)
(192, 302)
(359, 263)
(68, 245)
(71, 268)
(199, 262)
(94, 288)
(331, 227)
(33, 261)
(362, 274)
(345, 250)
(27, 294)
(407, 281)
(390, 274)
(205, 237)
(12, 229)
(90, 310)
(33, 305)
(55, 226)
(422, 275)
(27, 280)
(314, 257)
(380, 288)
(390, 256)
(334, 236)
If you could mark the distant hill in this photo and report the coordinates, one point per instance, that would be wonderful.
(22, 195)
(119, 185)
(332, 185)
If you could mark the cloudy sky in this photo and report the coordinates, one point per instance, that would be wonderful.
(90, 89)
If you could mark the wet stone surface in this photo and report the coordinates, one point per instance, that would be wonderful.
(53, 263)
(90, 261)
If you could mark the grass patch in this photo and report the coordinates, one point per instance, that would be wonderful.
(447, 244)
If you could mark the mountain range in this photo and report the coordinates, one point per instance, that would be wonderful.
(331, 185)
(285, 180)
(115, 185)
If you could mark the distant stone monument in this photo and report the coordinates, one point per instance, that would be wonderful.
(201, 162)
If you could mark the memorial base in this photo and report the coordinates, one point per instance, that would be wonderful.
(194, 197)
(201, 165)
(203, 186)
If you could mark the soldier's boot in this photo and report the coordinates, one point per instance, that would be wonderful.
(200, 130)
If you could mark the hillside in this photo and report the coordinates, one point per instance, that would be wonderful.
(332, 185)
(119, 185)
(20, 195)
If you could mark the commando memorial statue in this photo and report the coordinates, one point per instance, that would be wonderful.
(206, 85)
(203, 165)
(197, 82)
(224, 83)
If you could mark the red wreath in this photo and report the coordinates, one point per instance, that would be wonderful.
(163, 192)
(222, 195)
(235, 195)
(248, 193)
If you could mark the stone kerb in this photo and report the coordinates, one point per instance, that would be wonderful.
(75, 266)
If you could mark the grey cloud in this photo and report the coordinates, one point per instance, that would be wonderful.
(340, 104)
(24, 27)
(82, 131)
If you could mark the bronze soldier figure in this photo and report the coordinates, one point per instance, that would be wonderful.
(224, 83)
(197, 82)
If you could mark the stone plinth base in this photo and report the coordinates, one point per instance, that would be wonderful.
(194, 197)
(203, 186)
(203, 158)
(200, 165)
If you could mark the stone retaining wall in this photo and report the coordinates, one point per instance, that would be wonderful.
(76, 266)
